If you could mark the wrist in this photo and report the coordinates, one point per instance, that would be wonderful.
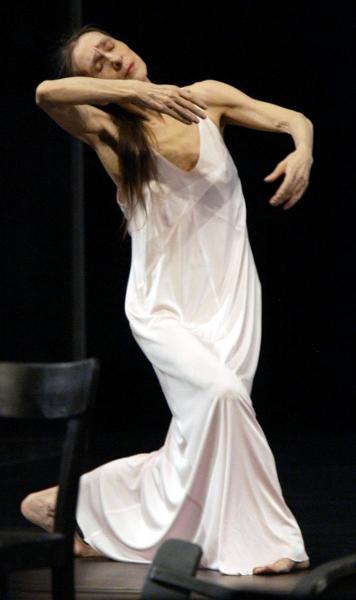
(302, 133)
(305, 149)
(126, 91)
(305, 146)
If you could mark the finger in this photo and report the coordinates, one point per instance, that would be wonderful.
(297, 189)
(285, 191)
(178, 114)
(189, 106)
(293, 192)
(277, 172)
(184, 108)
(168, 105)
(167, 109)
(279, 195)
(291, 202)
(182, 113)
(298, 193)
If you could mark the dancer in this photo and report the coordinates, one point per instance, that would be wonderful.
(193, 302)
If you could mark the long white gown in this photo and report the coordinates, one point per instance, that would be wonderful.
(193, 302)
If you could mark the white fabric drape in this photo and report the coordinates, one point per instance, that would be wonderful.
(194, 306)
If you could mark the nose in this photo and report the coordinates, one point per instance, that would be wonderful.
(115, 60)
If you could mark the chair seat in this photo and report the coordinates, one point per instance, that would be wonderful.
(22, 549)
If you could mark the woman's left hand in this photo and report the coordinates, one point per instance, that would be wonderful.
(296, 167)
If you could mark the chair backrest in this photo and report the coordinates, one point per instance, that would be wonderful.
(46, 390)
(50, 393)
(178, 558)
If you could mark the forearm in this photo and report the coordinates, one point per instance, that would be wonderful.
(83, 90)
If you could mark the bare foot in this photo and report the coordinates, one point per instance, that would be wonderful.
(39, 508)
(82, 549)
(283, 565)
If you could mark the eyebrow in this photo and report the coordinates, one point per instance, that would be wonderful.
(103, 39)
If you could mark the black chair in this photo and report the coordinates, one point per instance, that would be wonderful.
(171, 577)
(58, 395)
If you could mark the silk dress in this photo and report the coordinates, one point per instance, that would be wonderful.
(193, 303)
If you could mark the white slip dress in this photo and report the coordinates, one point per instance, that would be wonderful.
(193, 302)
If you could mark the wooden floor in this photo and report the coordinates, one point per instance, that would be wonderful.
(99, 578)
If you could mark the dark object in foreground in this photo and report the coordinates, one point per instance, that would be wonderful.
(171, 577)
(49, 394)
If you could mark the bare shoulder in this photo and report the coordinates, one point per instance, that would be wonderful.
(210, 92)
(215, 93)
(219, 95)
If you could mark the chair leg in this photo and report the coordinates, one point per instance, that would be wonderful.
(63, 581)
(3, 586)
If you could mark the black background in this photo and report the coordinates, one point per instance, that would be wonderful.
(294, 54)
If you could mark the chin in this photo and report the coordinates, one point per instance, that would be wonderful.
(141, 71)
(140, 75)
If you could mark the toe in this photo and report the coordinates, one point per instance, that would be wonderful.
(82, 549)
(257, 570)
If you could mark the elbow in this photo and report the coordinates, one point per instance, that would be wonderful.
(41, 93)
(310, 123)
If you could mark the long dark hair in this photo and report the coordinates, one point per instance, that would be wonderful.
(137, 163)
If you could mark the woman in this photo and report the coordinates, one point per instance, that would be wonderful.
(194, 306)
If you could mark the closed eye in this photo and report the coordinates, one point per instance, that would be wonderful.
(107, 44)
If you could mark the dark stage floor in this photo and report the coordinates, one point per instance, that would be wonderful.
(97, 579)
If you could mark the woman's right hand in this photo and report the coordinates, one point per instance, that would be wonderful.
(180, 103)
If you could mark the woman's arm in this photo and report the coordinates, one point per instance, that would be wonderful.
(69, 100)
(237, 108)
(83, 90)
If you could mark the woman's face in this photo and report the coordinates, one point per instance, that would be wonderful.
(98, 55)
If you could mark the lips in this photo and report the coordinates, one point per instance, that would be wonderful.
(130, 67)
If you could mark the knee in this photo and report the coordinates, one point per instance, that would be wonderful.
(230, 395)
(228, 387)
